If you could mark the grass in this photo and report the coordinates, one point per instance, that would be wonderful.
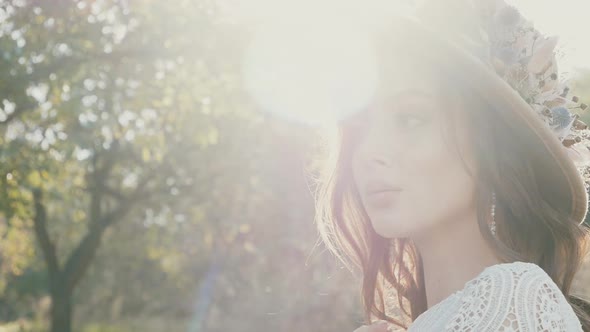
(144, 324)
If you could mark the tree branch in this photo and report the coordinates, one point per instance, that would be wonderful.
(80, 259)
(48, 248)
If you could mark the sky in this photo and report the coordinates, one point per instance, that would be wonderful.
(568, 19)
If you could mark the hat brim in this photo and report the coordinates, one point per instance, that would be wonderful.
(419, 40)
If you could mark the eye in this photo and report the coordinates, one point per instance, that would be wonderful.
(408, 120)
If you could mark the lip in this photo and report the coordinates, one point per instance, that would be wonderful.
(381, 195)
(376, 187)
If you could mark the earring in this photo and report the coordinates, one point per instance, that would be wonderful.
(493, 223)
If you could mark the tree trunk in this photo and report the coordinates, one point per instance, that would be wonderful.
(61, 309)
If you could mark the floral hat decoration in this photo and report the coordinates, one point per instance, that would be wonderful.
(526, 60)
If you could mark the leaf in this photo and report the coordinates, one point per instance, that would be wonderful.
(146, 155)
(34, 179)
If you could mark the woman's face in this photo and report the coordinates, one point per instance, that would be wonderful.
(408, 173)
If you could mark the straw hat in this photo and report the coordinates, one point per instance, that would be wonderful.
(514, 65)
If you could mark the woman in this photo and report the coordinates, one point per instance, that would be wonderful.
(455, 192)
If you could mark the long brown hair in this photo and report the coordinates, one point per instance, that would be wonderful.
(533, 207)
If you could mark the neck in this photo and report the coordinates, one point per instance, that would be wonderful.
(452, 254)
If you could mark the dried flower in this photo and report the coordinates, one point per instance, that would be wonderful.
(508, 17)
(561, 117)
(507, 55)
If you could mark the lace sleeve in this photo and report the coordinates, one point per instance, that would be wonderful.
(520, 298)
(551, 311)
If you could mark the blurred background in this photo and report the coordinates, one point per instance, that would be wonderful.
(146, 187)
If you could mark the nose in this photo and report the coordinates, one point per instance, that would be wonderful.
(378, 145)
(375, 158)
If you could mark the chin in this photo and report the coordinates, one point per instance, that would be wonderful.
(388, 228)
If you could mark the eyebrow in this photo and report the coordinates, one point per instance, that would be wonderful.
(408, 95)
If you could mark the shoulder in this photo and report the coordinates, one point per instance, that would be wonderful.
(517, 295)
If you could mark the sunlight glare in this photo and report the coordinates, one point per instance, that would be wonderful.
(313, 76)
(314, 64)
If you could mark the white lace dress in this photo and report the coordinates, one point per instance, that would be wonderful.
(517, 296)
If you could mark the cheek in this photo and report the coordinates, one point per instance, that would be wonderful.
(441, 187)
(354, 168)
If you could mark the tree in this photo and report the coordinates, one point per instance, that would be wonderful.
(94, 130)
(127, 118)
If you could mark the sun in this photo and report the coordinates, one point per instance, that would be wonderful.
(313, 62)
